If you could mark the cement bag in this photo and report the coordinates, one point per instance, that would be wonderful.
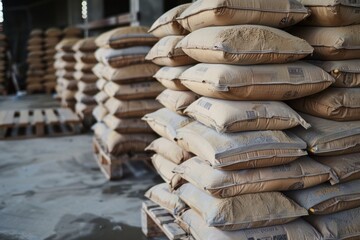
(126, 125)
(132, 91)
(233, 151)
(169, 150)
(53, 32)
(34, 80)
(36, 33)
(241, 212)
(176, 101)
(68, 66)
(165, 122)
(123, 37)
(162, 195)
(85, 67)
(341, 225)
(67, 44)
(167, 25)
(332, 43)
(35, 41)
(117, 58)
(339, 104)
(85, 77)
(100, 131)
(237, 116)
(192, 222)
(68, 95)
(167, 53)
(332, 13)
(346, 167)
(280, 14)
(244, 45)
(32, 48)
(69, 84)
(87, 88)
(100, 83)
(85, 57)
(101, 97)
(85, 45)
(257, 82)
(65, 56)
(123, 143)
(84, 109)
(346, 73)
(163, 167)
(169, 77)
(132, 108)
(328, 138)
(327, 199)
(130, 74)
(302, 173)
(99, 112)
(99, 70)
(84, 98)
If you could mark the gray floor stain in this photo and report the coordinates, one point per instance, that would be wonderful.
(91, 227)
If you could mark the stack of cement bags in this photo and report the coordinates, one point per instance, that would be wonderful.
(245, 156)
(127, 91)
(52, 38)
(85, 61)
(334, 139)
(65, 72)
(36, 65)
(3, 64)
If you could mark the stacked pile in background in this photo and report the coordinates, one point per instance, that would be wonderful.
(3, 64)
(334, 114)
(127, 92)
(85, 61)
(52, 38)
(36, 66)
(245, 156)
(65, 72)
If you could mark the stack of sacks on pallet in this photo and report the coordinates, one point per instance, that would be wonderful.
(65, 72)
(245, 155)
(3, 64)
(52, 38)
(176, 98)
(85, 62)
(127, 91)
(334, 114)
(36, 66)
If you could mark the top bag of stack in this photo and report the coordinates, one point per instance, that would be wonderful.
(125, 37)
(332, 13)
(205, 13)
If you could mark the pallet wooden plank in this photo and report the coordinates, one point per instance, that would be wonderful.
(39, 122)
(67, 116)
(174, 231)
(2, 116)
(37, 117)
(8, 120)
(24, 118)
(51, 117)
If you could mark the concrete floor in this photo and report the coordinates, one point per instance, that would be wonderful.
(51, 188)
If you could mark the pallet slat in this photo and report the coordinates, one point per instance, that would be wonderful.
(8, 119)
(24, 118)
(67, 116)
(51, 118)
(37, 117)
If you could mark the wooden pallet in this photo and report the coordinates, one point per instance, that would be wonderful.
(32, 123)
(113, 166)
(157, 221)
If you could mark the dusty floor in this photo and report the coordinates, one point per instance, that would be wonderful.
(51, 188)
